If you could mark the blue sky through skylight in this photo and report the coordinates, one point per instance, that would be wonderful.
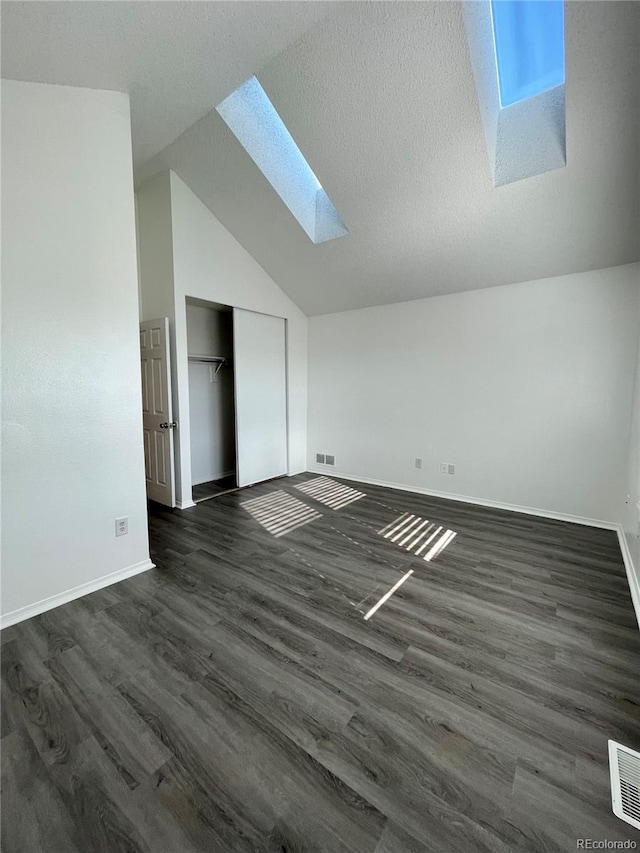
(529, 42)
(255, 122)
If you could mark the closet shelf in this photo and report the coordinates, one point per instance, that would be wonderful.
(216, 359)
(220, 360)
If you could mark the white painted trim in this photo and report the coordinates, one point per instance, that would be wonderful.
(633, 572)
(526, 510)
(185, 504)
(60, 598)
(297, 471)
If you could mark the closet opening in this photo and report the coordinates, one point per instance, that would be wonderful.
(211, 399)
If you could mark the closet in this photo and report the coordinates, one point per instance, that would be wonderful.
(237, 397)
(211, 399)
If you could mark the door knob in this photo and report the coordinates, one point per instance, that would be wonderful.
(166, 425)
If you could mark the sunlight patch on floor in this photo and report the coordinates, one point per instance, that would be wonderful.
(329, 492)
(280, 513)
(387, 595)
(422, 537)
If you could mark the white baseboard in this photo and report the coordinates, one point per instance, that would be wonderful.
(60, 598)
(185, 504)
(297, 471)
(633, 572)
(450, 496)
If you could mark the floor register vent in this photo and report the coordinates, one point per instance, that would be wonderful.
(624, 765)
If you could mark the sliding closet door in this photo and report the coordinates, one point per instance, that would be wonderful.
(261, 396)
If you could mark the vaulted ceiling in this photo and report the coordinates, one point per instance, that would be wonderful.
(177, 60)
(380, 98)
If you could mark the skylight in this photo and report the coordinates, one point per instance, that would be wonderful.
(529, 44)
(254, 121)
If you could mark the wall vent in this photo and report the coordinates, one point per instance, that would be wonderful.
(320, 458)
(330, 460)
(624, 766)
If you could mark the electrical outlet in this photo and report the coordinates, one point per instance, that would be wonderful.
(418, 462)
(443, 468)
(451, 469)
(122, 526)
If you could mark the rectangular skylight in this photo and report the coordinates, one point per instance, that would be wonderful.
(529, 44)
(254, 121)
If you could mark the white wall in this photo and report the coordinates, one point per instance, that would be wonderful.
(155, 271)
(526, 388)
(631, 510)
(155, 248)
(210, 264)
(71, 416)
(211, 402)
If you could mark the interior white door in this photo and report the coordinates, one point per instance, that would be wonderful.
(157, 419)
(261, 396)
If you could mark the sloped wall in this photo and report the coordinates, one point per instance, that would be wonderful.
(206, 262)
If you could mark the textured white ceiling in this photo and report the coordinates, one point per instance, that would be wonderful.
(381, 99)
(176, 59)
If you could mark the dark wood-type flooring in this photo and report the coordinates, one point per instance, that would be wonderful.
(235, 699)
(204, 491)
